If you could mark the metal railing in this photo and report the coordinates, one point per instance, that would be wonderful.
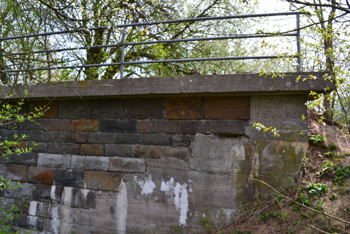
(123, 45)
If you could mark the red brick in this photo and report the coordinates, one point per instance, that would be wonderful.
(85, 125)
(166, 126)
(60, 124)
(227, 108)
(102, 180)
(49, 109)
(40, 175)
(144, 126)
(91, 149)
(183, 108)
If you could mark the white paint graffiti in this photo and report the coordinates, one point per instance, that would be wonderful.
(180, 197)
(32, 208)
(147, 186)
(122, 208)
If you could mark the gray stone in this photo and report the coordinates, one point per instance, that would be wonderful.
(101, 138)
(52, 136)
(16, 172)
(235, 127)
(6, 134)
(23, 192)
(127, 164)
(29, 222)
(90, 163)
(156, 139)
(146, 108)
(35, 124)
(119, 150)
(80, 198)
(74, 109)
(129, 138)
(175, 152)
(181, 140)
(30, 135)
(26, 159)
(126, 125)
(69, 178)
(108, 109)
(54, 160)
(47, 193)
(38, 147)
(63, 148)
(146, 151)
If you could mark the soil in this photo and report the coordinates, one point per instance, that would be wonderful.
(283, 216)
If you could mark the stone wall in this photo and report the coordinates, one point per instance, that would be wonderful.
(125, 164)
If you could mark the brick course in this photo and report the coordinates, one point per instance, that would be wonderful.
(85, 125)
(183, 108)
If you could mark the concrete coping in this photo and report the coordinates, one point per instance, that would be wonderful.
(211, 85)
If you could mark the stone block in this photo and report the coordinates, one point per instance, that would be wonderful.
(118, 150)
(79, 198)
(127, 164)
(69, 178)
(8, 203)
(49, 109)
(128, 138)
(108, 109)
(184, 108)
(16, 172)
(146, 151)
(6, 134)
(29, 222)
(7, 159)
(45, 210)
(47, 193)
(60, 124)
(227, 108)
(26, 159)
(24, 192)
(54, 160)
(175, 152)
(144, 126)
(194, 126)
(34, 124)
(146, 108)
(30, 135)
(101, 138)
(156, 139)
(38, 147)
(102, 180)
(91, 149)
(75, 137)
(41, 175)
(229, 126)
(126, 125)
(52, 136)
(165, 126)
(79, 109)
(85, 125)
(63, 148)
(90, 163)
(181, 140)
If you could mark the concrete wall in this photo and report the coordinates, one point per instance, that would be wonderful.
(125, 164)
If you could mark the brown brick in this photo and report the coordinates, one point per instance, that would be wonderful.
(16, 172)
(60, 124)
(49, 109)
(144, 126)
(40, 175)
(146, 151)
(85, 125)
(75, 137)
(102, 180)
(165, 126)
(227, 108)
(175, 152)
(91, 149)
(183, 108)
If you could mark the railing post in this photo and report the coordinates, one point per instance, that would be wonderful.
(122, 56)
(298, 43)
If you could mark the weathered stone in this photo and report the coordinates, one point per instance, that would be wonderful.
(63, 148)
(48, 109)
(181, 140)
(147, 108)
(38, 147)
(8, 203)
(183, 108)
(118, 150)
(126, 125)
(101, 138)
(25, 191)
(47, 193)
(6, 134)
(144, 126)
(196, 126)
(45, 210)
(60, 125)
(31, 135)
(26, 159)
(16, 172)
(108, 109)
(227, 108)
(90, 163)
(79, 198)
(41, 175)
(127, 164)
(91, 149)
(146, 151)
(75, 137)
(229, 126)
(175, 152)
(128, 138)
(74, 109)
(54, 160)
(156, 139)
(35, 124)
(102, 180)
(85, 125)
(165, 126)
(53, 136)
(7, 159)
(69, 178)
(29, 222)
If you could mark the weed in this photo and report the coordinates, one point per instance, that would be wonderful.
(304, 200)
(277, 215)
(333, 147)
(295, 208)
(305, 215)
(327, 167)
(341, 174)
(328, 155)
(333, 197)
(239, 232)
(317, 189)
(314, 139)
(208, 223)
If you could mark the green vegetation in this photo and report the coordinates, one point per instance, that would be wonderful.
(317, 189)
(314, 139)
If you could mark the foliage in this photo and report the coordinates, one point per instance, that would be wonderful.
(314, 139)
(317, 189)
(341, 173)
(277, 215)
